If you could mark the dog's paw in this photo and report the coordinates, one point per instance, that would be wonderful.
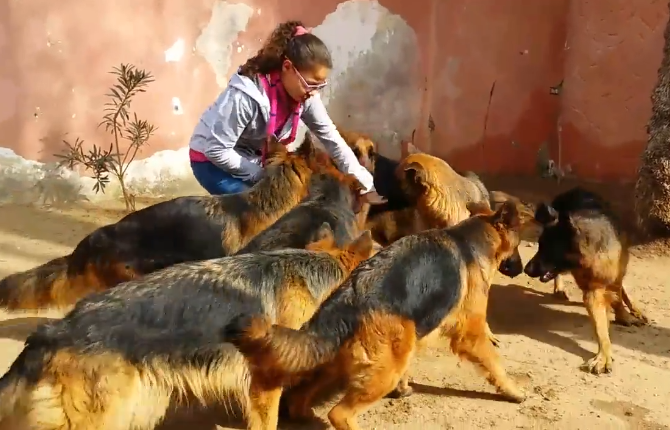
(561, 295)
(634, 318)
(400, 392)
(514, 395)
(599, 364)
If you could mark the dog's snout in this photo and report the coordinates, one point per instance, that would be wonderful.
(531, 268)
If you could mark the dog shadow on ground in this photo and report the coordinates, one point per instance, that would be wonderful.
(226, 418)
(521, 310)
(20, 328)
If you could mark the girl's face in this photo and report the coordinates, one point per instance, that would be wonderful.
(301, 85)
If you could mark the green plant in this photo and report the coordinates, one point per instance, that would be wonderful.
(122, 126)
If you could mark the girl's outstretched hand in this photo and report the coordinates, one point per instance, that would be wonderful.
(373, 198)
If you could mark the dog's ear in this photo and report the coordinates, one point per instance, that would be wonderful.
(363, 245)
(307, 149)
(478, 208)
(324, 232)
(407, 149)
(546, 215)
(414, 172)
(507, 215)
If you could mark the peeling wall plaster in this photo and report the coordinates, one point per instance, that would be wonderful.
(374, 65)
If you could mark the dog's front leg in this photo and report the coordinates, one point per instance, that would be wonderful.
(595, 300)
(559, 288)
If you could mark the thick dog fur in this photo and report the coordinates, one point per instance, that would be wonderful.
(333, 200)
(120, 357)
(366, 332)
(438, 196)
(175, 231)
(441, 195)
(582, 236)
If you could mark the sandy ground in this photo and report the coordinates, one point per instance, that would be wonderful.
(544, 342)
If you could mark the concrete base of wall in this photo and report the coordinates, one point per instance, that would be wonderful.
(164, 174)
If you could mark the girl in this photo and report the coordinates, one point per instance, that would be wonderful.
(267, 96)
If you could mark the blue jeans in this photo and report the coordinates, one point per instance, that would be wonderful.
(215, 180)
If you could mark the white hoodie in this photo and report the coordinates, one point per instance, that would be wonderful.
(232, 131)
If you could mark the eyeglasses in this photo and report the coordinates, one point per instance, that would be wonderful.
(307, 85)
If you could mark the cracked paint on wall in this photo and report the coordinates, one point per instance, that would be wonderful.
(215, 43)
(375, 65)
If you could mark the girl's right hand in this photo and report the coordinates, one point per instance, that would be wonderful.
(373, 198)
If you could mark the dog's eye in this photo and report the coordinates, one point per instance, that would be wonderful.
(357, 153)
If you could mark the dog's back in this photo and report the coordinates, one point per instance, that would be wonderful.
(478, 192)
(330, 201)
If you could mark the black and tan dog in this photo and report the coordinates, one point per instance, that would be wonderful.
(366, 332)
(120, 357)
(333, 199)
(175, 231)
(383, 170)
(582, 236)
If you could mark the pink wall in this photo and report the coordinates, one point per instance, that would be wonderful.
(56, 55)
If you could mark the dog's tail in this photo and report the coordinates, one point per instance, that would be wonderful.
(37, 288)
(283, 352)
(13, 388)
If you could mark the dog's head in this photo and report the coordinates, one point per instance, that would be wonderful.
(328, 182)
(418, 173)
(302, 162)
(350, 255)
(506, 221)
(362, 146)
(556, 252)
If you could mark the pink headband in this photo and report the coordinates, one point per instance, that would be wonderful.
(300, 30)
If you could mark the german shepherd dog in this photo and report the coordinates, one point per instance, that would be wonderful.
(333, 199)
(120, 357)
(366, 332)
(581, 235)
(383, 170)
(175, 231)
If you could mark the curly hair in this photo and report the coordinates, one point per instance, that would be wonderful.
(304, 51)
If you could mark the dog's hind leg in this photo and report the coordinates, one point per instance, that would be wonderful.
(376, 361)
(622, 315)
(263, 408)
(82, 392)
(595, 301)
(473, 343)
(492, 337)
(300, 400)
(370, 386)
(559, 288)
(403, 389)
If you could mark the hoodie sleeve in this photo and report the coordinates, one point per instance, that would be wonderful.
(234, 113)
(318, 121)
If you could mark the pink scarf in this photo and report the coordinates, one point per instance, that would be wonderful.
(273, 86)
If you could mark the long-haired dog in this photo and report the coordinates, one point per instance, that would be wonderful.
(438, 196)
(175, 231)
(582, 236)
(366, 332)
(120, 357)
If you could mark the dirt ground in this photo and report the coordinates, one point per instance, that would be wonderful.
(544, 340)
